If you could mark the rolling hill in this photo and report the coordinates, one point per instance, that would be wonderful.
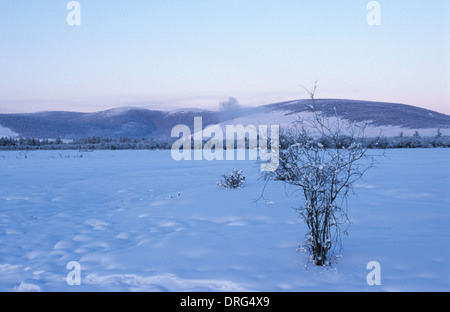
(133, 122)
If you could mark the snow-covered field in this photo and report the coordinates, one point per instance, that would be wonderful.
(140, 221)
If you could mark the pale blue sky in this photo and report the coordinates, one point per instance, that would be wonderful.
(169, 54)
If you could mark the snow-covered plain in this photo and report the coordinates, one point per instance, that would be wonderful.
(140, 221)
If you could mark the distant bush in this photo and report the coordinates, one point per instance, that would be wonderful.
(232, 180)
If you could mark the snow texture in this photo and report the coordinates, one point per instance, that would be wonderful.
(140, 221)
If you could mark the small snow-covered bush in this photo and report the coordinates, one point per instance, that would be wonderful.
(232, 180)
(322, 159)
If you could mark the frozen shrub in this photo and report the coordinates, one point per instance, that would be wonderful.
(232, 180)
(323, 160)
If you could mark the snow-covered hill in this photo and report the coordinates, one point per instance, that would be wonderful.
(5, 132)
(388, 118)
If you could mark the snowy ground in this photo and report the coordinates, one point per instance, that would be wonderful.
(139, 221)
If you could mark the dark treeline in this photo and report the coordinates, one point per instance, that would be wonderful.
(126, 143)
(90, 143)
(400, 141)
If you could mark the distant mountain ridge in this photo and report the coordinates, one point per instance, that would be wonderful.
(136, 122)
(380, 113)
